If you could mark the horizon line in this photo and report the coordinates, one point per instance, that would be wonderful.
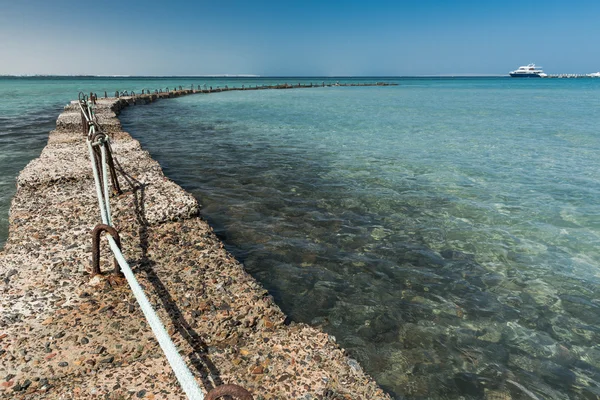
(472, 75)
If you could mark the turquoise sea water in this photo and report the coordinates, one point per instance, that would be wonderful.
(446, 231)
(29, 107)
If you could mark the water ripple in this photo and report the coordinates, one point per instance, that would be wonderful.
(443, 237)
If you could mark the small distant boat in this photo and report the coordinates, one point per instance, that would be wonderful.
(528, 71)
(594, 75)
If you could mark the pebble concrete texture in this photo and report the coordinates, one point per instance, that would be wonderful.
(65, 334)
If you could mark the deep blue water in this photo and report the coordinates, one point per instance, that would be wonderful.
(446, 231)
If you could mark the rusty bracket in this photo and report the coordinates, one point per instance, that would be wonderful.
(113, 173)
(100, 138)
(84, 123)
(82, 102)
(96, 247)
(235, 391)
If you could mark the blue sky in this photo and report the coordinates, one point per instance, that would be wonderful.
(283, 38)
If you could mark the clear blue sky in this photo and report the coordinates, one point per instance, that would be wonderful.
(329, 38)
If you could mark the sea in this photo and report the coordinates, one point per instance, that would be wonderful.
(446, 231)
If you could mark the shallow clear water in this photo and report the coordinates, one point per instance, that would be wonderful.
(29, 107)
(445, 231)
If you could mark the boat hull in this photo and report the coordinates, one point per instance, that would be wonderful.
(525, 75)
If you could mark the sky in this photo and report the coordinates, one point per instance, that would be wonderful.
(297, 38)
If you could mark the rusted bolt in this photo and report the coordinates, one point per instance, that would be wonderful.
(235, 391)
(96, 247)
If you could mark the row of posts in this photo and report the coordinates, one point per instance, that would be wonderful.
(205, 87)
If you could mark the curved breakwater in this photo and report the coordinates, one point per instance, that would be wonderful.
(66, 335)
(459, 261)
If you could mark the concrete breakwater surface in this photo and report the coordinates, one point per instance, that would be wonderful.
(64, 335)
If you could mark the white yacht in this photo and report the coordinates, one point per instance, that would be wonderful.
(528, 71)
(594, 75)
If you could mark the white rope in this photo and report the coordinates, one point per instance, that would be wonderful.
(98, 189)
(105, 180)
(184, 375)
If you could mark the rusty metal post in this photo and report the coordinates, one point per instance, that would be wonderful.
(99, 135)
(96, 247)
(113, 173)
(235, 391)
(84, 123)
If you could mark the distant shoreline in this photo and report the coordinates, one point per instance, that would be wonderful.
(251, 76)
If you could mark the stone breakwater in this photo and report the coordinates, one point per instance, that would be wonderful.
(65, 335)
